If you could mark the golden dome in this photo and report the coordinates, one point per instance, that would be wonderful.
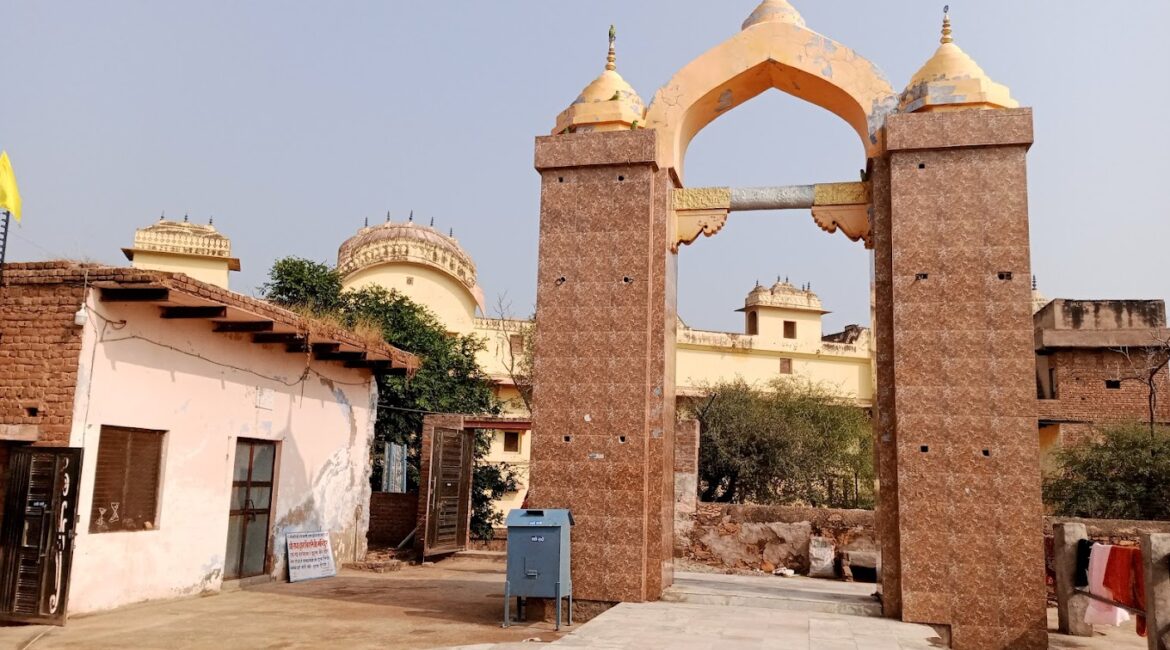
(774, 11)
(606, 104)
(406, 242)
(951, 80)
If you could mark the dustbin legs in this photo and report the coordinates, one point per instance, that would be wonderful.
(507, 603)
(558, 606)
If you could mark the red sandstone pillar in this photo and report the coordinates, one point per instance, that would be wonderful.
(603, 412)
(958, 451)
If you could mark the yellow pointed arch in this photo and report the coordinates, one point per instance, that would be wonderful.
(781, 55)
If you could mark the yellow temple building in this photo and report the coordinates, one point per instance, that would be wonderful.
(197, 250)
(782, 335)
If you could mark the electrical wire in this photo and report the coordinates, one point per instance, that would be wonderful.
(309, 370)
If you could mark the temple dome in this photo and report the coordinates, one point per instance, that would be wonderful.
(609, 103)
(774, 11)
(784, 295)
(952, 80)
(406, 242)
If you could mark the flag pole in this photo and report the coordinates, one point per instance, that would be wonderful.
(4, 243)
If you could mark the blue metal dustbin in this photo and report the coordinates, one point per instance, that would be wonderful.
(538, 559)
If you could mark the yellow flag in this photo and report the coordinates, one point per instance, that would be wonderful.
(9, 195)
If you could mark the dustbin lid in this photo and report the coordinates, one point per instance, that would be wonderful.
(529, 517)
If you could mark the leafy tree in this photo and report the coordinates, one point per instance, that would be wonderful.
(1122, 474)
(788, 443)
(297, 282)
(448, 381)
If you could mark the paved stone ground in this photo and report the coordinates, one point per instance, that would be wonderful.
(458, 603)
(725, 611)
(686, 626)
(455, 602)
(683, 626)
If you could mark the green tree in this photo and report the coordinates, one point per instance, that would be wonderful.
(448, 381)
(301, 283)
(788, 443)
(1122, 474)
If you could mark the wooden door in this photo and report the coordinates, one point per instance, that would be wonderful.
(449, 492)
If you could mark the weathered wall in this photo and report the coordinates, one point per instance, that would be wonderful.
(1081, 393)
(201, 389)
(392, 517)
(686, 482)
(1102, 315)
(753, 537)
(730, 536)
(39, 348)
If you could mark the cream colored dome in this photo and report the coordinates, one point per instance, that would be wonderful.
(774, 11)
(785, 296)
(406, 242)
(952, 80)
(609, 103)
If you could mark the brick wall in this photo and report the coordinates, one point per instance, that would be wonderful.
(392, 517)
(39, 348)
(1082, 394)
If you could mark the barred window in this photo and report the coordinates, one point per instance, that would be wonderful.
(516, 344)
(125, 490)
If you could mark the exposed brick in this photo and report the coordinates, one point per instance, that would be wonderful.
(392, 517)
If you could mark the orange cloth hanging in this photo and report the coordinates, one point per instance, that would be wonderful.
(1126, 578)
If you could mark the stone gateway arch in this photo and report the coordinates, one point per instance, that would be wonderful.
(943, 206)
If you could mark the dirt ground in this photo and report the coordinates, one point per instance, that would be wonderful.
(455, 602)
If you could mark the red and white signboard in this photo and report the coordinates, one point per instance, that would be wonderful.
(310, 556)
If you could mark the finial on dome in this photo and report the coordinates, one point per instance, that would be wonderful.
(432, 222)
(184, 218)
(211, 221)
(774, 11)
(1035, 284)
(606, 104)
(951, 80)
(387, 216)
(163, 216)
(451, 233)
(411, 218)
(611, 60)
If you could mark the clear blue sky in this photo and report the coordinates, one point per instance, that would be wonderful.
(291, 122)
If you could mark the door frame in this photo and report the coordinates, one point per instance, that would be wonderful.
(271, 485)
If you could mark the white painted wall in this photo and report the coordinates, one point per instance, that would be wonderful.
(174, 375)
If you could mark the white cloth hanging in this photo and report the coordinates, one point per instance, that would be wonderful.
(1099, 613)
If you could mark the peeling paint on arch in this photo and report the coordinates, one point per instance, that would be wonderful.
(786, 56)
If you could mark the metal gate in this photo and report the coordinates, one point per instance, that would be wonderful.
(449, 491)
(40, 517)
